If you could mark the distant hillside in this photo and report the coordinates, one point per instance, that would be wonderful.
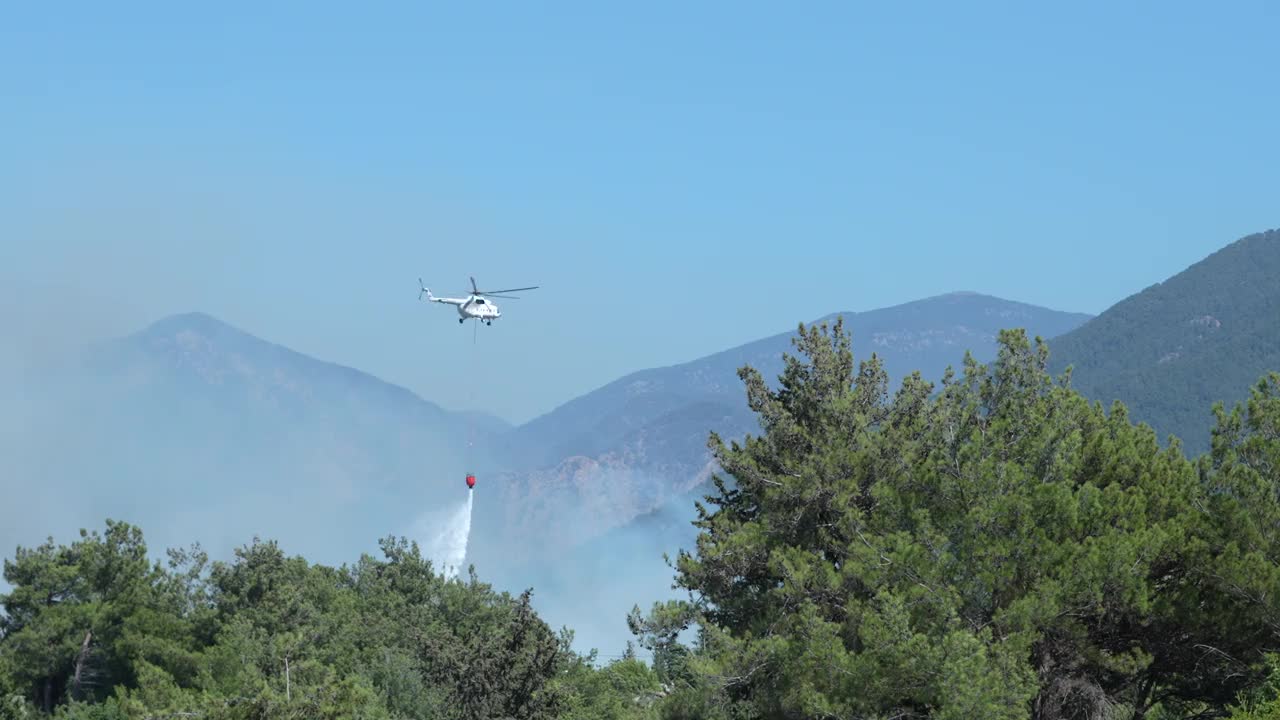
(623, 449)
(926, 334)
(1170, 351)
(192, 422)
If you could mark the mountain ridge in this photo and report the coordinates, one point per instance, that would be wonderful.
(910, 304)
(715, 373)
(184, 328)
(199, 322)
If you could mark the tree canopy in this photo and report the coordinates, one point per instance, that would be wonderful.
(994, 547)
(92, 630)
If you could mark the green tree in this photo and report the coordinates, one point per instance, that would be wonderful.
(624, 689)
(67, 612)
(497, 661)
(1243, 475)
(266, 635)
(998, 548)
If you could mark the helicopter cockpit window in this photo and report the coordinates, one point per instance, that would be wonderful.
(479, 301)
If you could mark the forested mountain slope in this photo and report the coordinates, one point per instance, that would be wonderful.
(1170, 351)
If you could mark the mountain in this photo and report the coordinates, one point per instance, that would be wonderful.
(926, 334)
(604, 458)
(192, 424)
(1169, 352)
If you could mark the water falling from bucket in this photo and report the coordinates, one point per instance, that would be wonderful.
(448, 548)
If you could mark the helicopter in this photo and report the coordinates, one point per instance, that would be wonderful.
(475, 306)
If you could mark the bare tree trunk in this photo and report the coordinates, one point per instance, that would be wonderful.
(288, 694)
(80, 660)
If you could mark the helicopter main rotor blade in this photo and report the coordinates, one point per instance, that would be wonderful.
(508, 297)
(495, 292)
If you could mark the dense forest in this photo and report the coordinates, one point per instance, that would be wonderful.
(995, 546)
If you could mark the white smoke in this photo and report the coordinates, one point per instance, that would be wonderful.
(447, 546)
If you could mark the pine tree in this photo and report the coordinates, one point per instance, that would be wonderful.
(996, 548)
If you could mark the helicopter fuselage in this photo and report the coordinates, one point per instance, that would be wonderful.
(478, 307)
(471, 308)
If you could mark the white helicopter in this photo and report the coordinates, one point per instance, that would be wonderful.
(475, 305)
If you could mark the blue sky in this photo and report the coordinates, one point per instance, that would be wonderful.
(679, 178)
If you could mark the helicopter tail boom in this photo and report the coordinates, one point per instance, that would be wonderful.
(424, 291)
